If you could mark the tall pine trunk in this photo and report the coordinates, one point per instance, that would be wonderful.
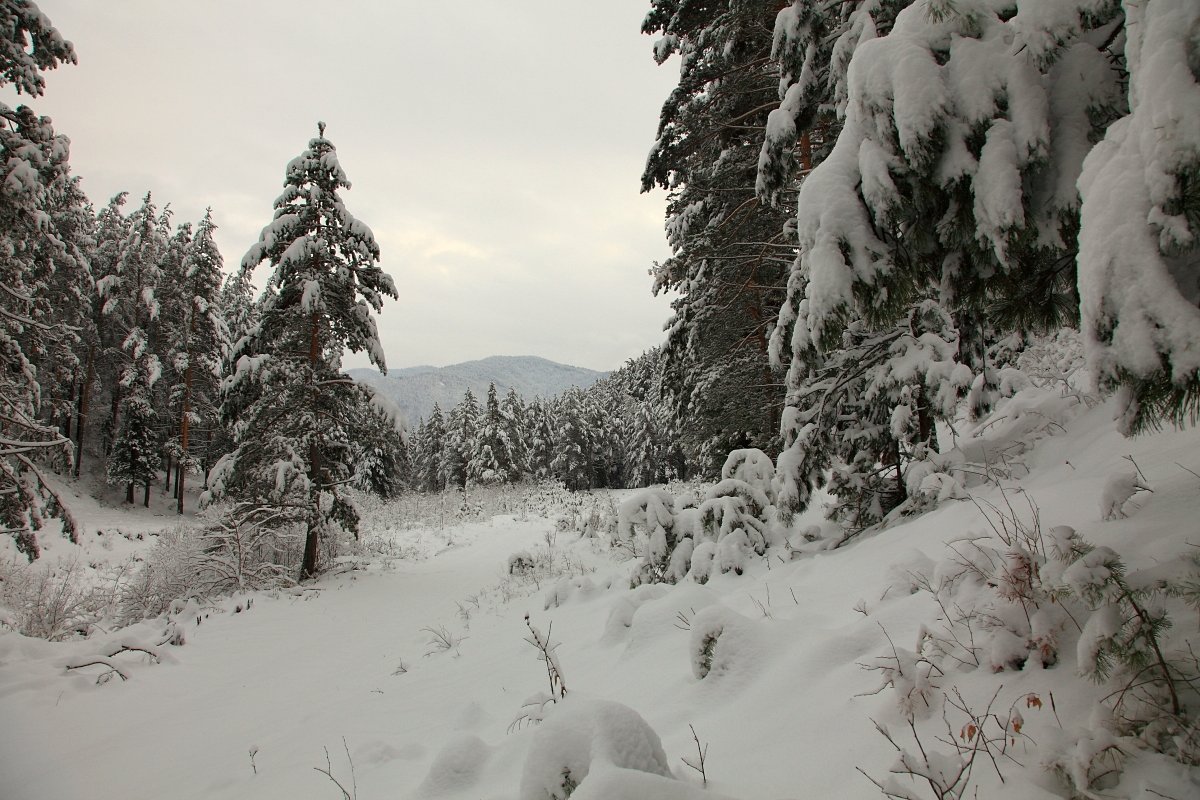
(183, 436)
(81, 409)
(83, 405)
(308, 567)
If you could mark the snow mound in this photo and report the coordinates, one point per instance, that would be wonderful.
(458, 766)
(585, 734)
(610, 783)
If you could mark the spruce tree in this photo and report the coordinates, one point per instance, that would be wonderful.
(572, 442)
(461, 440)
(513, 416)
(430, 452)
(295, 415)
(540, 424)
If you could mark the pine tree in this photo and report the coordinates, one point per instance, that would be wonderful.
(572, 442)
(131, 311)
(430, 452)
(729, 252)
(1139, 256)
(33, 159)
(461, 435)
(541, 427)
(200, 340)
(382, 456)
(493, 459)
(294, 413)
(512, 413)
(951, 183)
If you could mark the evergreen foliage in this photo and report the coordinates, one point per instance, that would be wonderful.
(35, 191)
(729, 252)
(295, 416)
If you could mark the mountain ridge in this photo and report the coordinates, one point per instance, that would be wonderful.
(416, 389)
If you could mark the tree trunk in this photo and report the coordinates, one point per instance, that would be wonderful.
(146, 495)
(308, 567)
(925, 422)
(114, 421)
(129, 493)
(81, 412)
(184, 429)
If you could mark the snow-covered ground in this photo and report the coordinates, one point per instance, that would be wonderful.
(350, 669)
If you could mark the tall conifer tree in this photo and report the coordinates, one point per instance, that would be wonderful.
(294, 412)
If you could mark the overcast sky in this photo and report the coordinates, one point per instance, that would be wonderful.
(495, 150)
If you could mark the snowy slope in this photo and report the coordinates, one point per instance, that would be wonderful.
(416, 389)
(787, 710)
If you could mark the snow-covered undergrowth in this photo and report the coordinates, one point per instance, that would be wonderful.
(1009, 642)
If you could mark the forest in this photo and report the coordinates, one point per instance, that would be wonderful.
(911, 241)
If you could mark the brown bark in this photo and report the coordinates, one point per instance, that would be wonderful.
(308, 567)
(81, 410)
(183, 436)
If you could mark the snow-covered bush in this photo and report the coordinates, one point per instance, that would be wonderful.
(753, 468)
(53, 601)
(650, 515)
(585, 735)
(167, 573)
(1118, 490)
(735, 519)
(520, 562)
(241, 548)
(1124, 643)
(1023, 596)
(719, 638)
(731, 505)
(703, 556)
(999, 602)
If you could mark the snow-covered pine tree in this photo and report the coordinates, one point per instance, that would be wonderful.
(540, 424)
(294, 413)
(572, 462)
(430, 452)
(172, 313)
(461, 435)
(645, 460)
(606, 418)
(382, 458)
(951, 181)
(199, 340)
(131, 311)
(1139, 239)
(493, 460)
(729, 253)
(135, 453)
(35, 179)
(512, 412)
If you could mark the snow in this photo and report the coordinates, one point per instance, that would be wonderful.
(784, 703)
(1138, 299)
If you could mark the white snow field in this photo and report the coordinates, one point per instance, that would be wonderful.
(348, 675)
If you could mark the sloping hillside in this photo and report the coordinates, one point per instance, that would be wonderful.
(416, 389)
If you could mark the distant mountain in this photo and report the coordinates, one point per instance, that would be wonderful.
(416, 389)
